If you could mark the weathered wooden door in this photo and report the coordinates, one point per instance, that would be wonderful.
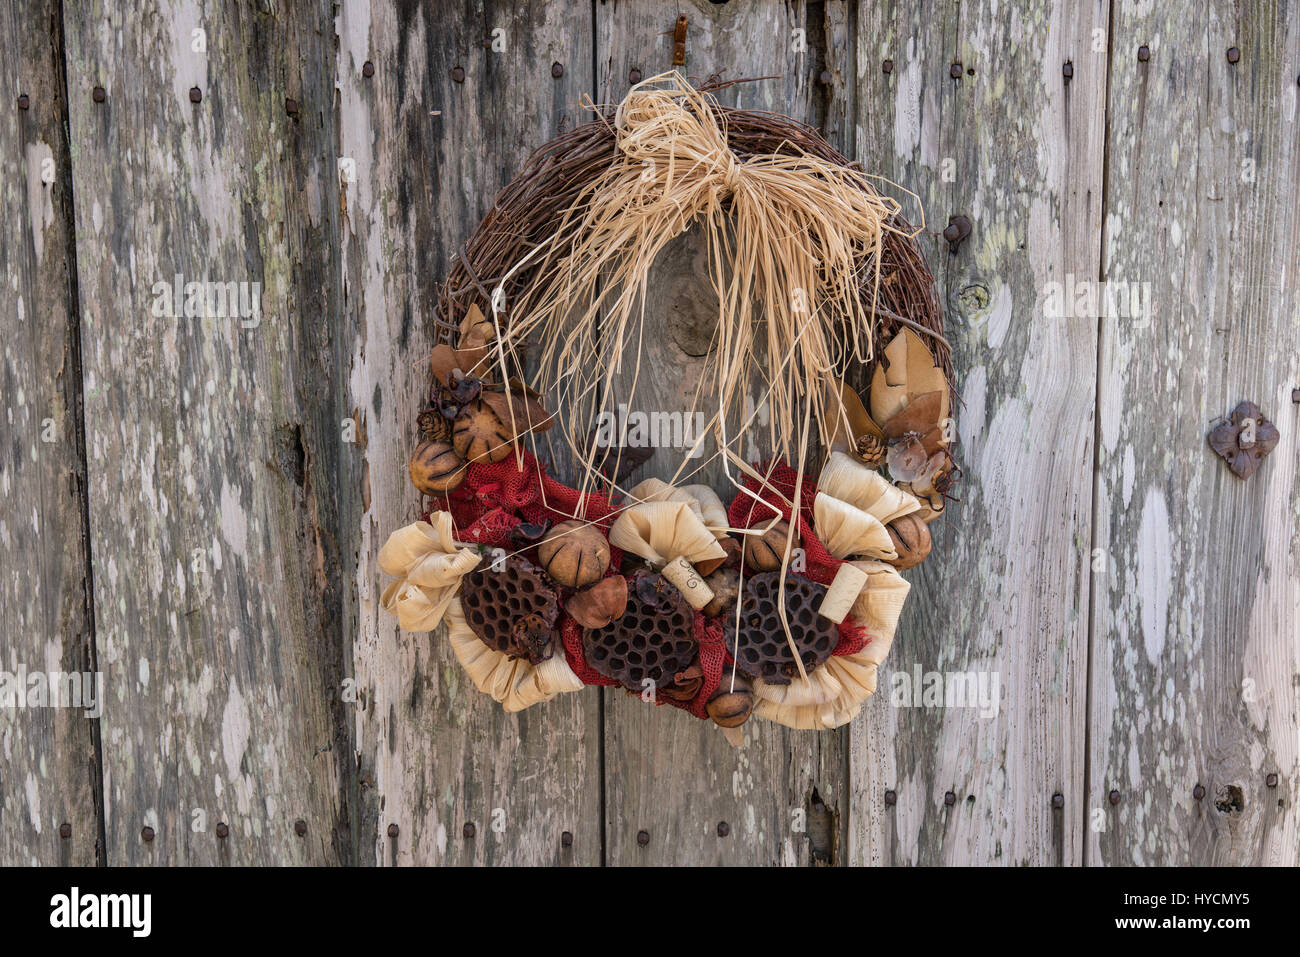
(193, 508)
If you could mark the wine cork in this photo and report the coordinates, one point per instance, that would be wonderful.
(688, 581)
(843, 592)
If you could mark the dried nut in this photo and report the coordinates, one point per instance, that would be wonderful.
(479, 435)
(574, 554)
(435, 468)
(725, 585)
(764, 552)
(731, 708)
(603, 602)
(911, 538)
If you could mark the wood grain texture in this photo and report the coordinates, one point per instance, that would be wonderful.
(1195, 655)
(782, 795)
(1005, 590)
(435, 754)
(213, 443)
(49, 766)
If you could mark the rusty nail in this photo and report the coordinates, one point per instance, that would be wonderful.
(367, 69)
(891, 798)
(958, 229)
(1113, 797)
(1067, 71)
(825, 78)
(393, 830)
(458, 74)
(291, 106)
(887, 66)
(223, 829)
(954, 71)
(1295, 396)
(1271, 781)
(634, 75)
(65, 830)
(1233, 54)
(300, 827)
(949, 799)
(1198, 792)
(566, 839)
(146, 834)
(1144, 53)
(469, 830)
(1058, 800)
(723, 829)
(557, 70)
(196, 95)
(98, 94)
(24, 101)
(643, 837)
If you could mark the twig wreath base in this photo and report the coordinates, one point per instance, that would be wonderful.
(780, 603)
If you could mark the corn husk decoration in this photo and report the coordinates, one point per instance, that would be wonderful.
(428, 566)
(662, 531)
(850, 481)
(513, 682)
(849, 531)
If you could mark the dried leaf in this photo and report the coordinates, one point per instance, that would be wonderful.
(907, 373)
(475, 329)
(923, 416)
(844, 402)
(445, 360)
(518, 412)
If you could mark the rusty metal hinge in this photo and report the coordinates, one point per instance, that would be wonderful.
(679, 41)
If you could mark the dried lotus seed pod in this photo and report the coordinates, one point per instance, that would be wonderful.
(435, 468)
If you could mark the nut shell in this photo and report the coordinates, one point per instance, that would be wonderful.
(731, 708)
(911, 538)
(764, 552)
(725, 585)
(602, 603)
(478, 434)
(435, 467)
(574, 553)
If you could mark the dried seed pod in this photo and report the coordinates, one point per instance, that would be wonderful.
(574, 554)
(761, 646)
(686, 683)
(512, 609)
(732, 703)
(911, 538)
(602, 603)
(479, 435)
(764, 552)
(654, 640)
(475, 329)
(725, 585)
(871, 449)
(435, 467)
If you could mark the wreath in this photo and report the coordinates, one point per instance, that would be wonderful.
(776, 598)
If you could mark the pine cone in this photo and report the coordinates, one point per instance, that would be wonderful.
(871, 449)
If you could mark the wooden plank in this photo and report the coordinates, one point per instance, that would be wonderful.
(1005, 591)
(667, 774)
(49, 765)
(213, 443)
(435, 755)
(1195, 654)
